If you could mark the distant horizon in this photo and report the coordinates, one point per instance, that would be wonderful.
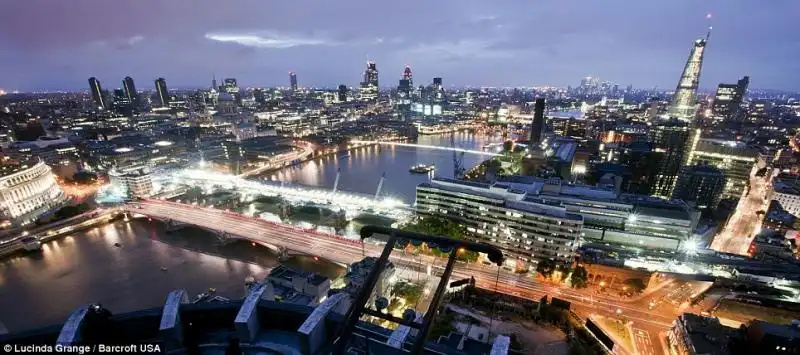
(505, 44)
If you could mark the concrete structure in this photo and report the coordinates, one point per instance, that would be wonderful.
(358, 272)
(298, 287)
(506, 216)
(27, 190)
(251, 326)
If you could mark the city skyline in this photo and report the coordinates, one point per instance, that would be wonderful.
(469, 45)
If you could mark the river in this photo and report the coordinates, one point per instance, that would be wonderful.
(362, 170)
(86, 267)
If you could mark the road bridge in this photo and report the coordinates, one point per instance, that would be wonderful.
(344, 251)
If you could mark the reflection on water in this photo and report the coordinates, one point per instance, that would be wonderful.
(44, 288)
(362, 170)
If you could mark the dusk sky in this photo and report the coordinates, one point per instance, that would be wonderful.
(50, 44)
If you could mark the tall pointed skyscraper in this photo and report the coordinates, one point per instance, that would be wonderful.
(684, 101)
(674, 137)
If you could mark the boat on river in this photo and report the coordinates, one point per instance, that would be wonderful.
(422, 169)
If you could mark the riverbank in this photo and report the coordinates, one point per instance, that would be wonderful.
(46, 234)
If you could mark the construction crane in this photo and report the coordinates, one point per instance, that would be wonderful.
(458, 159)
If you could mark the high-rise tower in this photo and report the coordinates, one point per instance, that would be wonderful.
(684, 101)
(163, 93)
(97, 93)
(293, 80)
(369, 87)
(130, 91)
(538, 124)
(674, 137)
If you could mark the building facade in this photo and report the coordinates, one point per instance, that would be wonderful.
(132, 183)
(28, 190)
(527, 228)
(734, 159)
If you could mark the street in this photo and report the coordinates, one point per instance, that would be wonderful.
(745, 222)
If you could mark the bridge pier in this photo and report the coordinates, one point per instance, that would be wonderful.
(283, 253)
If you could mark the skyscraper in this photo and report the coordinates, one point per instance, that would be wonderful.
(369, 87)
(674, 137)
(130, 91)
(670, 139)
(97, 93)
(684, 101)
(293, 80)
(342, 93)
(163, 93)
(728, 100)
(407, 76)
(214, 82)
(537, 127)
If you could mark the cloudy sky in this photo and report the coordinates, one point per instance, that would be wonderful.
(52, 44)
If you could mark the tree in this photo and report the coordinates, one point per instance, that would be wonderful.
(636, 285)
(445, 228)
(84, 177)
(545, 267)
(579, 278)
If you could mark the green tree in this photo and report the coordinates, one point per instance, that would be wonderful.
(84, 177)
(579, 278)
(545, 267)
(445, 228)
(636, 285)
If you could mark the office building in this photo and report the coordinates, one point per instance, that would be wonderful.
(27, 190)
(786, 192)
(538, 124)
(97, 93)
(293, 81)
(132, 182)
(369, 86)
(230, 86)
(162, 92)
(734, 159)
(701, 185)
(342, 93)
(258, 96)
(728, 101)
(670, 139)
(684, 101)
(130, 91)
(513, 219)
(692, 334)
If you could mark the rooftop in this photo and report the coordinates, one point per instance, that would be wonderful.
(272, 328)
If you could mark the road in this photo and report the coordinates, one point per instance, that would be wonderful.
(344, 251)
(745, 222)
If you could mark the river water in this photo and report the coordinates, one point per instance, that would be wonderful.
(362, 170)
(86, 267)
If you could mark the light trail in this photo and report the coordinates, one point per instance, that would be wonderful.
(425, 146)
(347, 251)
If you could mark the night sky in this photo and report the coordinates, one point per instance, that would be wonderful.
(52, 44)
